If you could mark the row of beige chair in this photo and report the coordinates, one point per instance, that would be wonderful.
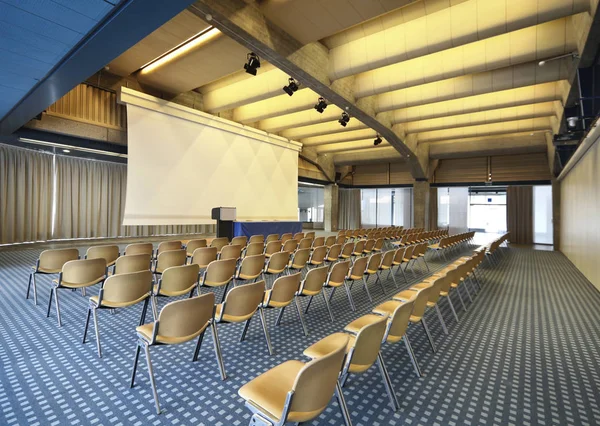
(492, 248)
(451, 242)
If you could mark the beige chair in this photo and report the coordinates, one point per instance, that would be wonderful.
(317, 257)
(179, 322)
(252, 249)
(318, 242)
(378, 247)
(369, 246)
(110, 253)
(290, 245)
(231, 252)
(240, 305)
(298, 236)
(333, 253)
(340, 240)
(302, 391)
(276, 264)
(273, 247)
(242, 240)
(175, 281)
(272, 237)
(347, 251)
(286, 237)
(139, 248)
(257, 239)
(219, 273)
(133, 263)
(203, 256)
(192, 245)
(250, 268)
(399, 261)
(387, 262)
(282, 295)
(337, 278)
(219, 243)
(119, 291)
(77, 274)
(299, 260)
(373, 269)
(168, 246)
(329, 241)
(435, 292)
(358, 248)
(50, 262)
(166, 259)
(310, 235)
(305, 243)
(397, 314)
(357, 272)
(362, 351)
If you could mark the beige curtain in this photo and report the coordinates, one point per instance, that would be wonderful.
(349, 209)
(25, 195)
(433, 209)
(519, 214)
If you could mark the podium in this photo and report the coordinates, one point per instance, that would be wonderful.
(225, 216)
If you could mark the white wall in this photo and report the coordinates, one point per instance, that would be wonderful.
(183, 162)
(580, 215)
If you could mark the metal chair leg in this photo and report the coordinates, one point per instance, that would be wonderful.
(429, 336)
(308, 305)
(28, 286)
(452, 308)
(279, 316)
(87, 323)
(198, 346)
(366, 287)
(461, 300)
(151, 375)
(217, 347)
(393, 278)
(349, 297)
(50, 301)
(299, 310)
(342, 404)
(327, 304)
(467, 289)
(97, 331)
(411, 353)
(263, 320)
(387, 383)
(57, 306)
(380, 282)
(245, 330)
(135, 363)
(441, 318)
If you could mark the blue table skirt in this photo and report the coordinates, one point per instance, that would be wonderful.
(265, 228)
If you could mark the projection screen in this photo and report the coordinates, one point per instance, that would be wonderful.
(183, 162)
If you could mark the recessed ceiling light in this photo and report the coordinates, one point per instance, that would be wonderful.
(66, 150)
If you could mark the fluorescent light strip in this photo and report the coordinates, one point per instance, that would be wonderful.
(71, 147)
(180, 49)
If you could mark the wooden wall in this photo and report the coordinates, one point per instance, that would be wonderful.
(382, 174)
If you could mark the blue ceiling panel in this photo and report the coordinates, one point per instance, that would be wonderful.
(91, 8)
(15, 37)
(9, 96)
(17, 80)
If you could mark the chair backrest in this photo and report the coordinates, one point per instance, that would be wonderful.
(133, 263)
(290, 245)
(277, 262)
(330, 240)
(193, 245)
(338, 272)
(108, 253)
(374, 262)
(231, 252)
(316, 381)
(257, 239)
(219, 272)
(300, 258)
(186, 319)
(241, 241)
(420, 301)
(166, 259)
(127, 289)
(285, 288)
(409, 252)
(315, 278)
(242, 301)
(219, 243)
(399, 255)
(139, 248)
(369, 244)
(310, 235)
(53, 260)
(436, 288)
(298, 236)
(286, 237)
(305, 243)
(204, 255)
(347, 250)
(398, 321)
(178, 280)
(334, 252)
(251, 266)
(340, 240)
(272, 237)
(388, 258)
(318, 242)
(273, 247)
(358, 268)
(367, 344)
(253, 249)
(168, 246)
(85, 271)
(359, 247)
(318, 255)
(379, 243)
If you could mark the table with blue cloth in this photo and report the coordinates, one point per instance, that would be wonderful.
(265, 228)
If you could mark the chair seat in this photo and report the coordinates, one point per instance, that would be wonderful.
(78, 285)
(110, 304)
(269, 390)
(274, 303)
(145, 332)
(326, 345)
(404, 295)
(46, 271)
(214, 283)
(334, 284)
(230, 318)
(309, 292)
(247, 277)
(434, 246)
(387, 308)
(167, 293)
(356, 325)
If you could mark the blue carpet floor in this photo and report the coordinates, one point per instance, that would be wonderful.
(526, 352)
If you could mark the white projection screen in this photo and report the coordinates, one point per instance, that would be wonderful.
(183, 162)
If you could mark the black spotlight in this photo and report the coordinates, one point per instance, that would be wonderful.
(345, 118)
(252, 64)
(291, 87)
(321, 105)
(377, 140)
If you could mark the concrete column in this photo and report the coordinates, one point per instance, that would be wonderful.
(421, 204)
(330, 213)
(556, 200)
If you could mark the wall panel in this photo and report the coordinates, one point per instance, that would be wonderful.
(526, 167)
(462, 170)
(371, 174)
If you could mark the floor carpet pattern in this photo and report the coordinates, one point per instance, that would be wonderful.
(526, 352)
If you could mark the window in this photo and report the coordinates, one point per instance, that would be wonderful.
(542, 215)
(386, 207)
(453, 209)
(310, 203)
(487, 211)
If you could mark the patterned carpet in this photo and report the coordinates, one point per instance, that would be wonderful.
(526, 352)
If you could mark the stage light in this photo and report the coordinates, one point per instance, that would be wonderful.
(377, 140)
(252, 64)
(321, 105)
(291, 87)
(344, 119)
